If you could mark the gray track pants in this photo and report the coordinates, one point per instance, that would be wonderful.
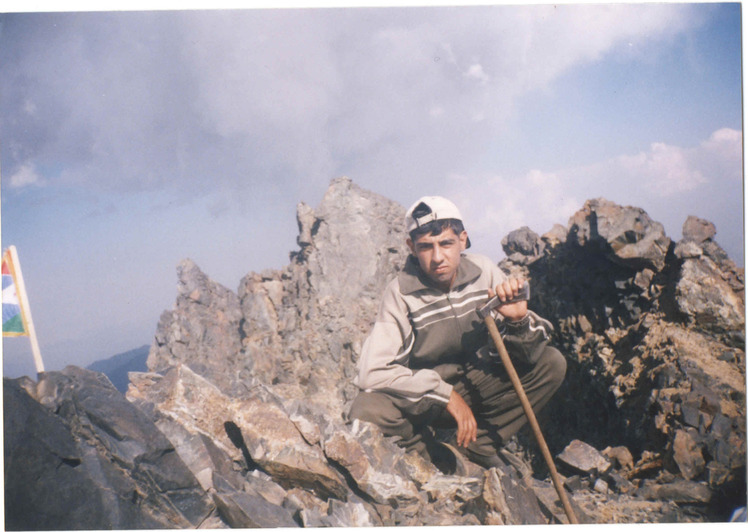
(485, 385)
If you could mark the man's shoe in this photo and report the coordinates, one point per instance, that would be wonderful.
(448, 460)
(501, 459)
(483, 460)
(462, 469)
(443, 459)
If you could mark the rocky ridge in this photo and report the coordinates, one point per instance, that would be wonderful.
(240, 420)
(298, 329)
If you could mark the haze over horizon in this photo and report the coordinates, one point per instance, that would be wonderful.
(133, 140)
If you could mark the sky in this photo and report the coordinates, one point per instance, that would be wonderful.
(132, 140)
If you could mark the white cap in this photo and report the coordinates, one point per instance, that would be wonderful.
(430, 208)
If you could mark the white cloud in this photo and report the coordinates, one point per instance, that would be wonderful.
(727, 137)
(354, 91)
(664, 170)
(154, 100)
(476, 72)
(25, 176)
(670, 181)
(667, 171)
(29, 107)
(494, 205)
(436, 111)
(722, 154)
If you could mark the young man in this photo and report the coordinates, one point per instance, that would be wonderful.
(427, 361)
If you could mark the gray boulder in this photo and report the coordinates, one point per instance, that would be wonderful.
(523, 246)
(88, 443)
(373, 464)
(254, 431)
(248, 509)
(45, 475)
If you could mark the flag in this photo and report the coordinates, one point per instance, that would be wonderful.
(16, 312)
(14, 318)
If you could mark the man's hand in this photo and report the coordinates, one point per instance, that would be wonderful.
(467, 427)
(507, 290)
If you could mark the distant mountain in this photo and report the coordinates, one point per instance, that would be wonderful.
(117, 367)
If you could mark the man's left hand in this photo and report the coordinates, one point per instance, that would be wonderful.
(507, 290)
(467, 426)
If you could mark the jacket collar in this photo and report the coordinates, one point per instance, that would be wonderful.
(413, 279)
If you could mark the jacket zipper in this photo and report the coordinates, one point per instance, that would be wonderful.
(454, 315)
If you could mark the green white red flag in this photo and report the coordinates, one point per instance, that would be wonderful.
(16, 312)
(14, 318)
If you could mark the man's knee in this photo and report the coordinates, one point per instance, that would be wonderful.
(362, 408)
(376, 408)
(556, 366)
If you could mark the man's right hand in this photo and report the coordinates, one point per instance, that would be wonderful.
(507, 290)
(467, 427)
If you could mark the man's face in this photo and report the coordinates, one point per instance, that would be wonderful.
(439, 256)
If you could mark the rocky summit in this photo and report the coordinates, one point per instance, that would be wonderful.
(240, 419)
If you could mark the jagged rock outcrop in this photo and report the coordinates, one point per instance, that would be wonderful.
(625, 235)
(240, 421)
(204, 330)
(299, 329)
(710, 292)
(654, 335)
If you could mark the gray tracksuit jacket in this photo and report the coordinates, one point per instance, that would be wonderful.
(422, 335)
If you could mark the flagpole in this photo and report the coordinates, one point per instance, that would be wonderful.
(26, 310)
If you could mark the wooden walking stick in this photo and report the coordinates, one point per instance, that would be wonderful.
(485, 313)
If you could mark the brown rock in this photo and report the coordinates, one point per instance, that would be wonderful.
(360, 453)
(557, 235)
(679, 491)
(279, 448)
(698, 230)
(270, 438)
(510, 499)
(632, 237)
(584, 458)
(620, 456)
(687, 455)
(709, 301)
